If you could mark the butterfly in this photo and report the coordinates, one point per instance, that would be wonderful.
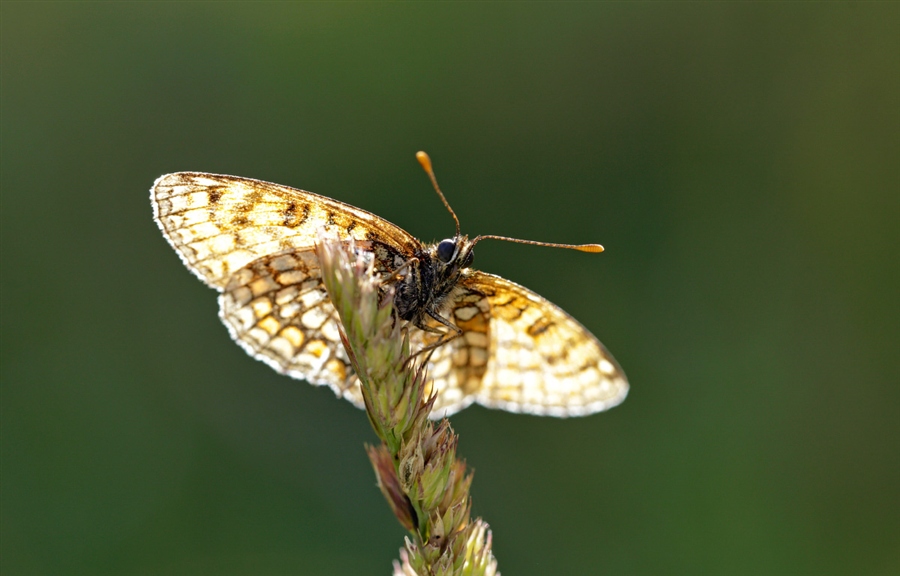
(492, 341)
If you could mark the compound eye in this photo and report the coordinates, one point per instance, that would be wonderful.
(445, 250)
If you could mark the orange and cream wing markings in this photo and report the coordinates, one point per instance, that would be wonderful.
(218, 224)
(456, 369)
(519, 352)
(253, 242)
(277, 309)
(540, 360)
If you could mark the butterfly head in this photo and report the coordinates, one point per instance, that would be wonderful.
(455, 253)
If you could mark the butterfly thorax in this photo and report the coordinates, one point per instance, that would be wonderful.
(432, 278)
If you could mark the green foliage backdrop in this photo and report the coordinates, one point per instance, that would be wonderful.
(739, 161)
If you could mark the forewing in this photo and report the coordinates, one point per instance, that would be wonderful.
(540, 359)
(219, 224)
(277, 309)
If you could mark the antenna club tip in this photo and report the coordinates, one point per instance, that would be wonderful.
(424, 160)
(593, 248)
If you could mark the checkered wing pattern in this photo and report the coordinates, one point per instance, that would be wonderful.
(219, 224)
(540, 360)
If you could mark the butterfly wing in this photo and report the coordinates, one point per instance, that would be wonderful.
(277, 309)
(539, 360)
(219, 224)
(457, 367)
(253, 241)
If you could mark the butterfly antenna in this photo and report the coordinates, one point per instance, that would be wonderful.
(594, 248)
(425, 161)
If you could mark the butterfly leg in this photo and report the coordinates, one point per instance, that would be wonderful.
(394, 276)
(445, 338)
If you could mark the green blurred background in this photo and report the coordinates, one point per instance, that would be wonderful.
(738, 161)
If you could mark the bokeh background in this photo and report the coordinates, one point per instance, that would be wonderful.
(739, 162)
